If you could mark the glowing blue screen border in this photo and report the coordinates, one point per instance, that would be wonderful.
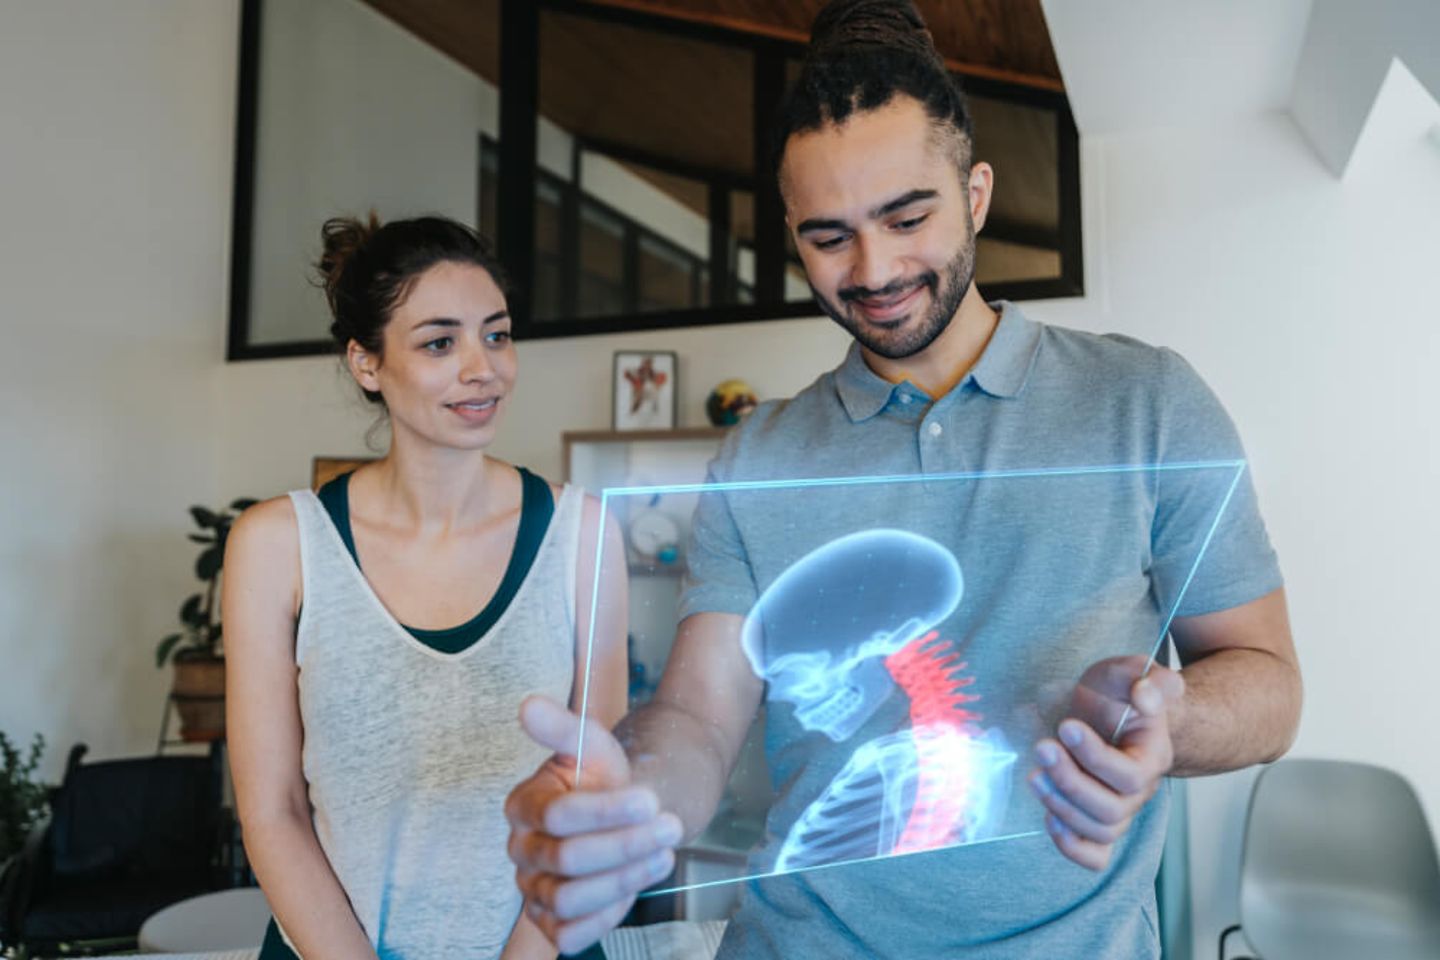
(609, 493)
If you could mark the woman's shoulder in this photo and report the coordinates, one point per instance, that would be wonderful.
(558, 491)
(262, 553)
(268, 526)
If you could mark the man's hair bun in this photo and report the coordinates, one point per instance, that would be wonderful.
(891, 24)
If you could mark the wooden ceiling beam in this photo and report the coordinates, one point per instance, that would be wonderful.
(660, 8)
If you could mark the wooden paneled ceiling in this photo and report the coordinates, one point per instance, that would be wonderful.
(1001, 39)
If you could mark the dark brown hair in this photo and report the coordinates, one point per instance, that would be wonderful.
(367, 270)
(862, 54)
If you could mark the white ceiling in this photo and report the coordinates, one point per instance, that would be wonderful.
(1137, 64)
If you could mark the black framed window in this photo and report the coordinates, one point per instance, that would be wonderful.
(618, 158)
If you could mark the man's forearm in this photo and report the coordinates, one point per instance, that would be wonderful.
(1240, 707)
(678, 756)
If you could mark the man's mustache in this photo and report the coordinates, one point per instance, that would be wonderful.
(895, 288)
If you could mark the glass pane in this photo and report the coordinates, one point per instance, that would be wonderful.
(549, 204)
(600, 290)
(900, 711)
(1021, 239)
(651, 126)
(668, 276)
(742, 231)
(337, 133)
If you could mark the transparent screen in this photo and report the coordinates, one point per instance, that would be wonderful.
(915, 637)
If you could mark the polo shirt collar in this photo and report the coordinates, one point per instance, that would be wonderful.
(1005, 365)
(1001, 371)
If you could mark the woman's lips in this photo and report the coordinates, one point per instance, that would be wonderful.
(478, 412)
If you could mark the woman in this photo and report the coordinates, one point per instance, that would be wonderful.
(373, 740)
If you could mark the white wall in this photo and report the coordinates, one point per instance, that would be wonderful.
(1130, 66)
(1346, 56)
(1309, 304)
(115, 166)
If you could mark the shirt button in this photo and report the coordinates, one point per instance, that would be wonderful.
(935, 429)
(904, 398)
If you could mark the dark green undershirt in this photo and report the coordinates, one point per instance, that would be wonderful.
(537, 506)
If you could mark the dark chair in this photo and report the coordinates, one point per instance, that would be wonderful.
(1338, 863)
(125, 839)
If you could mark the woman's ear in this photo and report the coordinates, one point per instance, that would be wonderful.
(363, 365)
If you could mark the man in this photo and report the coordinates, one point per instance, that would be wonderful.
(884, 200)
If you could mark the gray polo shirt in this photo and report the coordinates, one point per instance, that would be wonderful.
(1090, 488)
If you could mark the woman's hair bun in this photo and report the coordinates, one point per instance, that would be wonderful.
(342, 240)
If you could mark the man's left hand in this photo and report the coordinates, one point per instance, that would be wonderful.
(1092, 787)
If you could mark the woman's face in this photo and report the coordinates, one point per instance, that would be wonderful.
(449, 364)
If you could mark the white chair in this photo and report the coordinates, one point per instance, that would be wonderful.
(222, 921)
(1338, 863)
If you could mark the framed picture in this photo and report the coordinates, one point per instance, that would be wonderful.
(644, 390)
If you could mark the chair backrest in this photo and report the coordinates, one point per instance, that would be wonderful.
(1330, 840)
(137, 817)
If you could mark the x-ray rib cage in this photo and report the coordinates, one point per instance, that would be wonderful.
(916, 635)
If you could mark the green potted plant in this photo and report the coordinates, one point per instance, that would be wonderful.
(22, 797)
(196, 651)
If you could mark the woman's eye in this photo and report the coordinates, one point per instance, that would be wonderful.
(439, 344)
(498, 336)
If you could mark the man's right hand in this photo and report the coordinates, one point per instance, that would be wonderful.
(582, 852)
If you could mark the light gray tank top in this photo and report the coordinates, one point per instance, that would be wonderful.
(410, 752)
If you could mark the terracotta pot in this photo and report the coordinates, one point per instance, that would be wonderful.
(199, 695)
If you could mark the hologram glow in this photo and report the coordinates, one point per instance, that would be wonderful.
(835, 642)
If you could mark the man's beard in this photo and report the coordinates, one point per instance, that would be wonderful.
(897, 344)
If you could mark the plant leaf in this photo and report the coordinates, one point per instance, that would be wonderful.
(208, 563)
(201, 538)
(190, 612)
(243, 504)
(162, 652)
(203, 517)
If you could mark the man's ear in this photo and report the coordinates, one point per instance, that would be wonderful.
(980, 188)
(363, 366)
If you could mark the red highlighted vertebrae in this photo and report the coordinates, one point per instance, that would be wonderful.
(931, 675)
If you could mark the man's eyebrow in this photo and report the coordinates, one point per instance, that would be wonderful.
(885, 209)
(901, 202)
(813, 225)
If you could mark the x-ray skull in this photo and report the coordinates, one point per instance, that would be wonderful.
(820, 633)
(835, 635)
